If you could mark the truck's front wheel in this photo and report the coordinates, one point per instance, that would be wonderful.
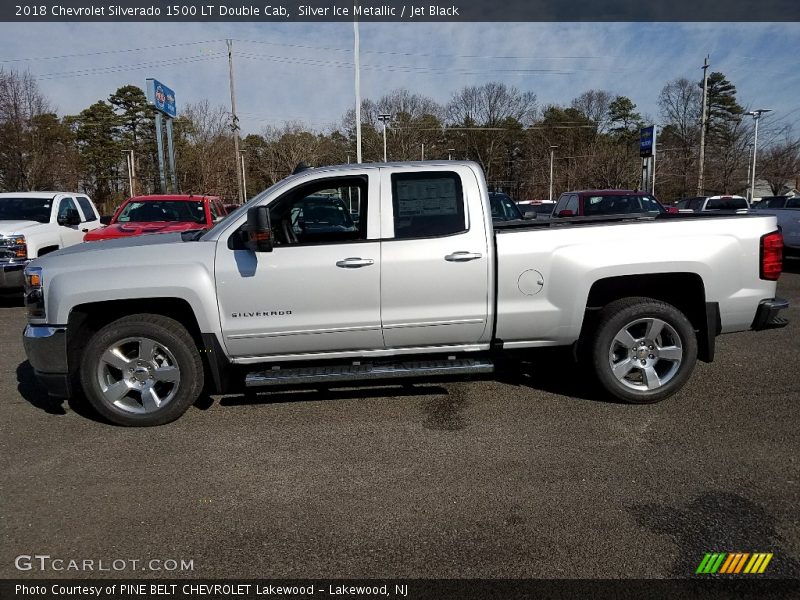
(644, 350)
(142, 370)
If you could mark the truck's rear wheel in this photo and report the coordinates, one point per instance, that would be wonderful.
(644, 350)
(142, 370)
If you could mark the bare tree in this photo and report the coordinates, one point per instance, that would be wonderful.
(594, 104)
(780, 165)
(206, 154)
(20, 103)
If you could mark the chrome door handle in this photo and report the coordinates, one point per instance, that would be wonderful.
(354, 263)
(463, 256)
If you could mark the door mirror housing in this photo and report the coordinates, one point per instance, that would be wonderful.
(258, 231)
(70, 217)
(106, 219)
(566, 213)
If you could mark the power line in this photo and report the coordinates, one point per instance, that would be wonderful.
(101, 52)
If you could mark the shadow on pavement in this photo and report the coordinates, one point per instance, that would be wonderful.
(554, 370)
(11, 301)
(318, 394)
(29, 388)
(717, 522)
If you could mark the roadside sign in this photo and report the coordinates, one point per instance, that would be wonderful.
(646, 136)
(162, 97)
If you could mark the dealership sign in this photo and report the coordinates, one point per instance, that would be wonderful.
(646, 136)
(162, 97)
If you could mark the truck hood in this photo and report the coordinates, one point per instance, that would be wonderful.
(9, 227)
(118, 230)
(118, 243)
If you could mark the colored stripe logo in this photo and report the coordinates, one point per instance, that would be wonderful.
(734, 563)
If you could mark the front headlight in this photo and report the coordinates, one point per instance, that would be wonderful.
(13, 247)
(34, 293)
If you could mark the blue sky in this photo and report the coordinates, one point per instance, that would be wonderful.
(303, 72)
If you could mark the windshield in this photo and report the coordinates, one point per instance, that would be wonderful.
(162, 210)
(235, 214)
(503, 208)
(26, 209)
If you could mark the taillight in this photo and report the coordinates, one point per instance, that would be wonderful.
(771, 256)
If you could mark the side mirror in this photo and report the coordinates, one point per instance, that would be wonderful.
(106, 219)
(70, 217)
(566, 213)
(258, 230)
(672, 210)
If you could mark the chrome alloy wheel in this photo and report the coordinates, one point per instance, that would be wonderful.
(645, 354)
(138, 375)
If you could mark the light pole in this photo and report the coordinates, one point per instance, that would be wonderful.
(756, 114)
(450, 153)
(552, 156)
(384, 118)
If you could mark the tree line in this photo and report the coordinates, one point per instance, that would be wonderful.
(593, 139)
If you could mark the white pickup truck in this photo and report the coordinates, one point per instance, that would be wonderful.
(287, 290)
(33, 224)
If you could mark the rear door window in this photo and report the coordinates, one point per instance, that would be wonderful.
(86, 209)
(427, 205)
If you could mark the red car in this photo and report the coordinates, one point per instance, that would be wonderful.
(160, 214)
(596, 203)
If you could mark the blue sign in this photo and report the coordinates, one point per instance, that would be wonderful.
(646, 137)
(162, 97)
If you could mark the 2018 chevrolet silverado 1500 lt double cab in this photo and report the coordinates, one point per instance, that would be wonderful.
(424, 286)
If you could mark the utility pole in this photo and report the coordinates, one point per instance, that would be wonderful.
(756, 114)
(129, 158)
(244, 174)
(235, 124)
(357, 59)
(552, 156)
(384, 118)
(703, 122)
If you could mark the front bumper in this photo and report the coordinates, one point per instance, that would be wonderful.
(11, 274)
(767, 315)
(46, 348)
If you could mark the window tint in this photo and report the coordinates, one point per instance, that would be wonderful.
(778, 202)
(697, 203)
(65, 205)
(503, 208)
(572, 204)
(561, 204)
(86, 208)
(726, 204)
(427, 205)
(322, 212)
(793, 202)
(213, 208)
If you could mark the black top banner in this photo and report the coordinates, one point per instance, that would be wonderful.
(431, 11)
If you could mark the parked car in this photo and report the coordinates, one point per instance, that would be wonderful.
(770, 202)
(503, 208)
(160, 214)
(595, 203)
(706, 203)
(788, 221)
(537, 209)
(33, 224)
(427, 288)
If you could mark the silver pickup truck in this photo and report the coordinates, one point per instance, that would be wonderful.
(286, 290)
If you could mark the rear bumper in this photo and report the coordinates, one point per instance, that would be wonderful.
(46, 348)
(767, 315)
(11, 275)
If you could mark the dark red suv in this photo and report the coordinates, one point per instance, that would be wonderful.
(591, 203)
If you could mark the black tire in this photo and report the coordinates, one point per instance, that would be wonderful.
(174, 355)
(656, 377)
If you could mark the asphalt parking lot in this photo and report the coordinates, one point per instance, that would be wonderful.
(536, 477)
